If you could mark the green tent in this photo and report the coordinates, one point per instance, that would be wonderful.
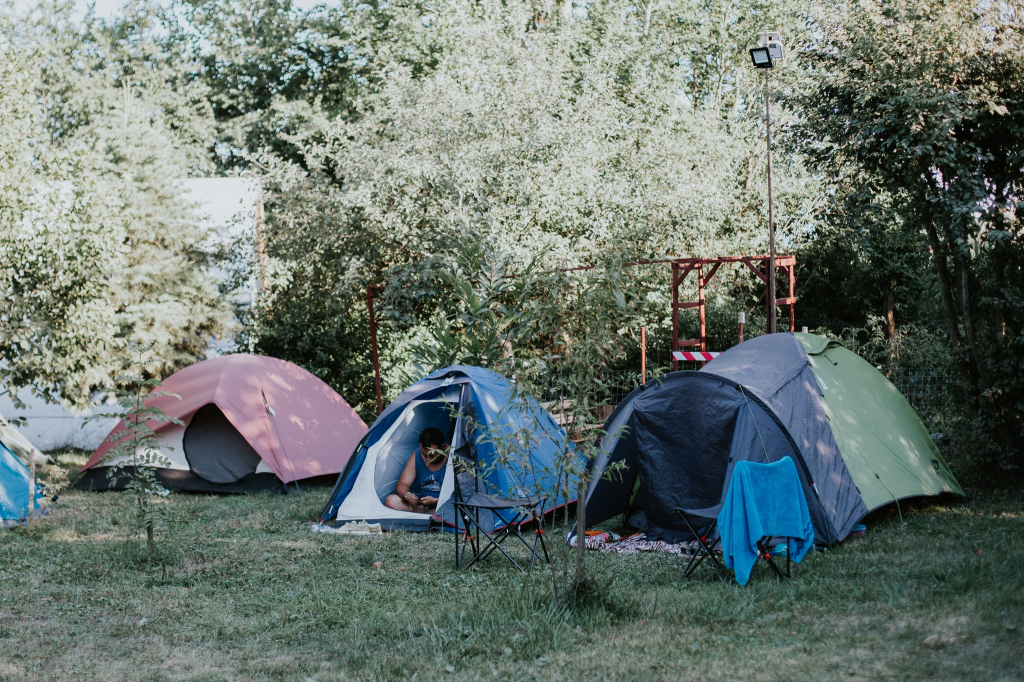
(857, 443)
(887, 449)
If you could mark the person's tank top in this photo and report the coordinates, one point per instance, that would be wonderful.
(427, 482)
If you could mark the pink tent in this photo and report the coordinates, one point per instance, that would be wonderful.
(251, 423)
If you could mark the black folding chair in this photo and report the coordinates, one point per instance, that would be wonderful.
(707, 539)
(512, 512)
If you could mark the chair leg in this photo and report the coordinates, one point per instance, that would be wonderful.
(703, 551)
(764, 551)
(538, 542)
(484, 545)
(514, 527)
(493, 545)
(539, 530)
(468, 539)
(516, 523)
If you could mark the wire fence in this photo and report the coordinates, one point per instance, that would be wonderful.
(929, 391)
(612, 386)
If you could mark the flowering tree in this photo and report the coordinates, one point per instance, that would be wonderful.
(552, 141)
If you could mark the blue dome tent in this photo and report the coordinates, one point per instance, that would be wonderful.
(475, 409)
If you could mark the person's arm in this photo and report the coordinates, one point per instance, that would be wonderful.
(405, 482)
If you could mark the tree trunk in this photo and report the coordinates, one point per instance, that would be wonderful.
(972, 344)
(889, 308)
(567, 11)
(648, 10)
(31, 487)
(948, 309)
(581, 531)
(149, 542)
(999, 266)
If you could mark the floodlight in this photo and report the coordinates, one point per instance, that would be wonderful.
(761, 57)
(773, 41)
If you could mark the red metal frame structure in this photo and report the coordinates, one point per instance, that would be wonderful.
(682, 267)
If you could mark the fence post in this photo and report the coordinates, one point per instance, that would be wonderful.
(643, 355)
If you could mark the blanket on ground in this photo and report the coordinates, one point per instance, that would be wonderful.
(635, 544)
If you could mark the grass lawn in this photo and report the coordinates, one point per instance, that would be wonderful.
(244, 591)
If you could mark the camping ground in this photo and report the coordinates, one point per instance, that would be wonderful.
(242, 590)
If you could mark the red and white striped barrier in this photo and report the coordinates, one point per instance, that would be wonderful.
(693, 356)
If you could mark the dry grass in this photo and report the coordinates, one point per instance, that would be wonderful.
(243, 591)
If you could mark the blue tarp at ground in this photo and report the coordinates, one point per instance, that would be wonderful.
(14, 487)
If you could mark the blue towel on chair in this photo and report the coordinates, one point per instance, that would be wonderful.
(763, 500)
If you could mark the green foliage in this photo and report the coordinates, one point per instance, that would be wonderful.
(268, 68)
(134, 455)
(98, 248)
(493, 311)
(59, 241)
(555, 334)
(573, 140)
(914, 117)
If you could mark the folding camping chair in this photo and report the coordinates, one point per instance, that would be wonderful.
(764, 503)
(708, 541)
(512, 512)
(708, 535)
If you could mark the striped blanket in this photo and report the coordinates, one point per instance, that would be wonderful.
(637, 543)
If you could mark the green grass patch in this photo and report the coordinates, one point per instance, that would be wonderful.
(242, 590)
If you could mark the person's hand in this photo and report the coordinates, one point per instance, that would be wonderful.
(428, 501)
(412, 500)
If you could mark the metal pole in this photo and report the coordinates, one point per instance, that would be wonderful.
(701, 312)
(771, 207)
(675, 315)
(373, 346)
(643, 355)
(792, 295)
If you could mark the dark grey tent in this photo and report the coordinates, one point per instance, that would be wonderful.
(856, 442)
(678, 440)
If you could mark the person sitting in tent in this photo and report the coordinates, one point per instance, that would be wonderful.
(419, 486)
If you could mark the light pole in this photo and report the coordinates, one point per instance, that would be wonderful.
(764, 56)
